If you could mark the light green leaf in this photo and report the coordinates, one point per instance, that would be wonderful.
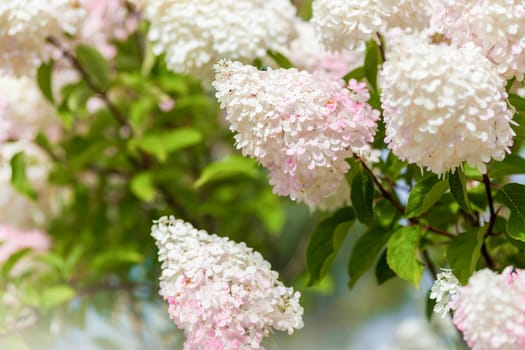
(362, 195)
(365, 252)
(402, 254)
(424, 195)
(512, 164)
(95, 66)
(463, 253)
(44, 80)
(8, 265)
(19, 178)
(458, 189)
(228, 167)
(162, 143)
(280, 59)
(513, 196)
(116, 257)
(56, 295)
(143, 186)
(325, 243)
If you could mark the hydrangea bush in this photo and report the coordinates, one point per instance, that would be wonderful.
(401, 119)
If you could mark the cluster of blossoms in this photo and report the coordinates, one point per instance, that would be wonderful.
(496, 26)
(300, 126)
(347, 23)
(221, 293)
(443, 105)
(25, 26)
(194, 35)
(489, 310)
(307, 53)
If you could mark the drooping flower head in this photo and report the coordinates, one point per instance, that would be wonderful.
(345, 24)
(490, 310)
(300, 126)
(194, 35)
(496, 26)
(443, 105)
(222, 294)
(26, 24)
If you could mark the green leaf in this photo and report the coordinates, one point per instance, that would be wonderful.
(113, 258)
(13, 259)
(517, 101)
(228, 167)
(362, 195)
(372, 57)
(458, 189)
(365, 252)
(463, 253)
(429, 307)
(44, 80)
(19, 178)
(280, 59)
(424, 195)
(56, 295)
(402, 254)
(512, 164)
(325, 243)
(143, 186)
(513, 196)
(357, 74)
(94, 65)
(383, 271)
(162, 143)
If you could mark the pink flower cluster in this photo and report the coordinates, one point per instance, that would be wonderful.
(221, 293)
(489, 310)
(300, 126)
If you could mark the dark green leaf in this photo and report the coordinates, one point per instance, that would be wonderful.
(19, 178)
(362, 195)
(402, 254)
(95, 66)
(424, 195)
(280, 59)
(429, 307)
(116, 257)
(228, 167)
(513, 196)
(517, 101)
(162, 143)
(143, 186)
(383, 271)
(464, 252)
(44, 80)
(365, 252)
(458, 189)
(325, 242)
(372, 57)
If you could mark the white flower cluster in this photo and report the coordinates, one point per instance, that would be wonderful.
(490, 310)
(307, 53)
(443, 105)
(194, 35)
(221, 293)
(496, 26)
(26, 24)
(347, 23)
(443, 289)
(300, 126)
(24, 112)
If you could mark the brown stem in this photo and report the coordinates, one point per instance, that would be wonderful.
(396, 203)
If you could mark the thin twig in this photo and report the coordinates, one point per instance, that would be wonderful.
(396, 203)
(429, 264)
(490, 200)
